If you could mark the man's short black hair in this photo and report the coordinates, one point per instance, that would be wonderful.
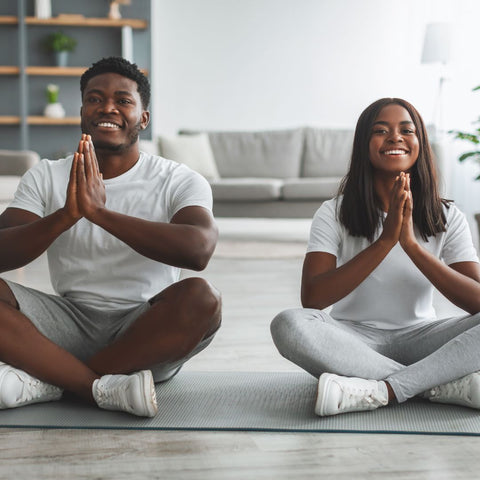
(122, 67)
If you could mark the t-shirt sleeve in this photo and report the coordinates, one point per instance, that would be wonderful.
(189, 189)
(458, 245)
(325, 232)
(30, 194)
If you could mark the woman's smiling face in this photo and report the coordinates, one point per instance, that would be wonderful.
(393, 146)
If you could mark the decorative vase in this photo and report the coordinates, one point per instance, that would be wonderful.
(43, 8)
(54, 110)
(61, 58)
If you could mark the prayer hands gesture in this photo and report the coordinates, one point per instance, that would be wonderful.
(398, 225)
(86, 190)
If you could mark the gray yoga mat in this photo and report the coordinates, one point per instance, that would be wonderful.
(253, 401)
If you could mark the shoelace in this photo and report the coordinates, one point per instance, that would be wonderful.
(353, 397)
(459, 388)
(34, 388)
(109, 396)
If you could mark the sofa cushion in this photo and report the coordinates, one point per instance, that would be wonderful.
(8, 187)
(192, 150)
(327, 152)
(258, 154)
(246, 189)
(310, 188)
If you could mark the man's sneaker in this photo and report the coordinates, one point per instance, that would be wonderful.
(348, 394)
(133, 393)
(465, 391)
(18, 388)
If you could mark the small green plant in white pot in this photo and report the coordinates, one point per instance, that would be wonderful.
(54, 108)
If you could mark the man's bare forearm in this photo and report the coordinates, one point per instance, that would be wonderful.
(19, 245)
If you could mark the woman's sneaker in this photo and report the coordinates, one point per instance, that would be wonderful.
(133, 393)
(18, 388)
(338, 394)
(465, 391)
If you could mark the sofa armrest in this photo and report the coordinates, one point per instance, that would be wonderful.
(17, 162)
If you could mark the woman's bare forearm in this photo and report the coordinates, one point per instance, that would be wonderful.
(326, 288)
(461, 285)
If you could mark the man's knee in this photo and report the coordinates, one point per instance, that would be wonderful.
(197, 300)
(6, 295)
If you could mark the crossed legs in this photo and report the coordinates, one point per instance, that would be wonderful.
(410, 360)
(177, 321)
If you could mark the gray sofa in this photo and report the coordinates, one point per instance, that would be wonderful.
(283, 173)
(279, 173)
(13, 164)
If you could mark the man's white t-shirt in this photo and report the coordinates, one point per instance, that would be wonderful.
(396, 294)
(88, 264)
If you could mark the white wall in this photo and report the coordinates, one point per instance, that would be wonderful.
(265, 64)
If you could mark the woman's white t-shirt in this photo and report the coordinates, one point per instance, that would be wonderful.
(396, 294)
(88, 264)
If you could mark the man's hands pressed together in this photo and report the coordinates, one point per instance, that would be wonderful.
(86, 190)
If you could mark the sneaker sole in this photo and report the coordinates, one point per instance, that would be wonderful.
(322, 392)
(149, 394)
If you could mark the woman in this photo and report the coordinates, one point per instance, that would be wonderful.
(375, 254)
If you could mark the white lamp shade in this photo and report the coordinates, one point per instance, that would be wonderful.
(437, 43)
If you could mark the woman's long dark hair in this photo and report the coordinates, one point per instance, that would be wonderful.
(361, 209)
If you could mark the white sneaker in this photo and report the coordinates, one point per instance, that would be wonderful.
(348, 394)
(465, 391)
(18, 388)
(133, 393)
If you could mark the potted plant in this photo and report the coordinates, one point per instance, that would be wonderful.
(474, 155)
(60, 44)
(54, 108)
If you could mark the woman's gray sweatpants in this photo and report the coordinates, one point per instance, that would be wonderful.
(411, 359)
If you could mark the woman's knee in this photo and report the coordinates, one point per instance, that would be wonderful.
(285, 325)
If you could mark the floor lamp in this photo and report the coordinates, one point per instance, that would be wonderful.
(436, 49)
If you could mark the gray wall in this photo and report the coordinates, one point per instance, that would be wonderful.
(93, 44)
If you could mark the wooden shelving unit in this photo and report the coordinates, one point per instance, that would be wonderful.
(60, 20)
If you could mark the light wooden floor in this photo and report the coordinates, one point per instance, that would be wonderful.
(254, 290)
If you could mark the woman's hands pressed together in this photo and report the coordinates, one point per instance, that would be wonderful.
(398, 225)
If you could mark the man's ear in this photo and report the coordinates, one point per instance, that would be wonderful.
(145, 120)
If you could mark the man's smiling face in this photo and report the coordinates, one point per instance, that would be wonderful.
(112, 112)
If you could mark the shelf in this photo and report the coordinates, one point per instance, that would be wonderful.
(9, 70)
(50, 71)
(39, 120)
(9, 120)
(60, 71)
(8, 20)
(77, 21)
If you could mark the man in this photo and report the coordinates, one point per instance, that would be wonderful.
(118, 225)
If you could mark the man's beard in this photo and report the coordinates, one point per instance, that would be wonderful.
(131, 139)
